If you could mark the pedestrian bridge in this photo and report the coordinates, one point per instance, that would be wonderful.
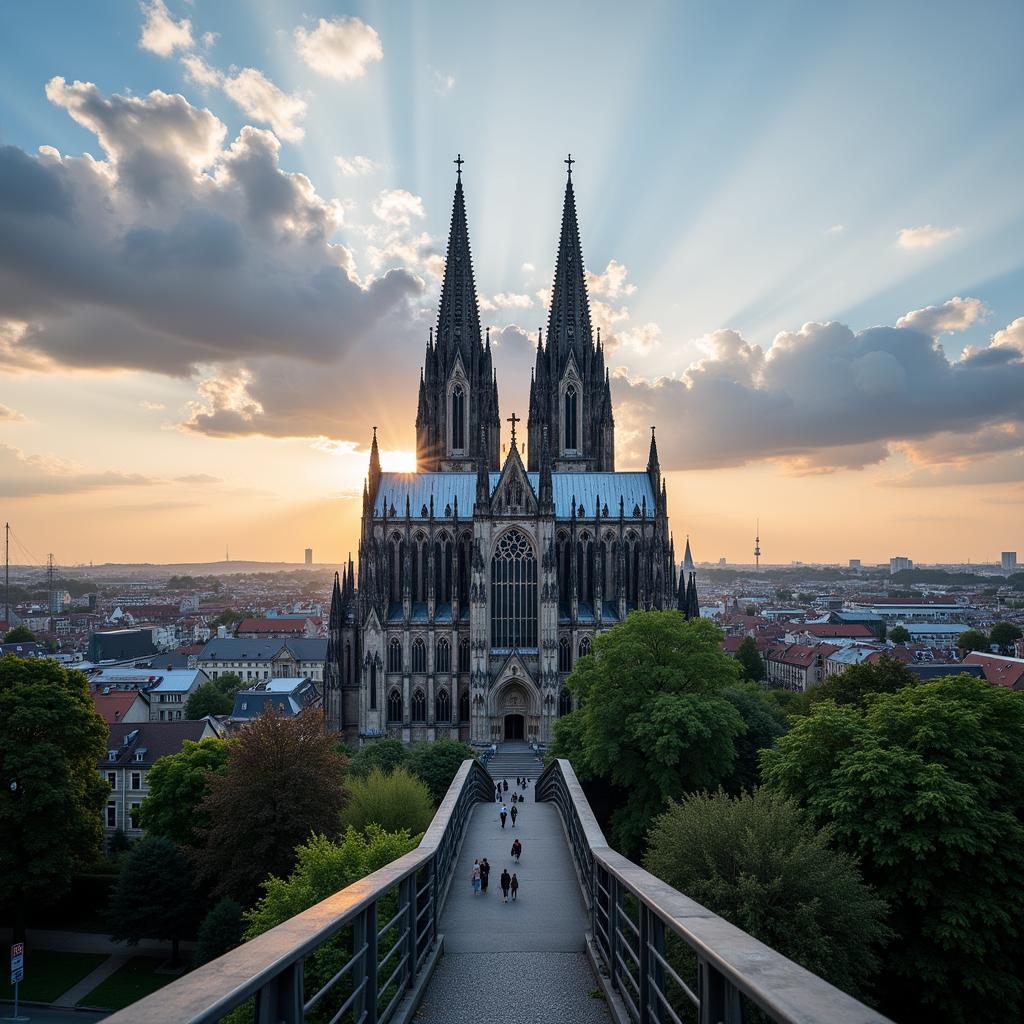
(592, 937)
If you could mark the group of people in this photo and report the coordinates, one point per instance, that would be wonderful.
(509, 883)
(500, 788)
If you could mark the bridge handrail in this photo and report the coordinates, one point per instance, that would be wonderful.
(730, 963)
(270, 966)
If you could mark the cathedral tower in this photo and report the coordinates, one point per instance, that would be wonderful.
(457, 422)
(570, 394)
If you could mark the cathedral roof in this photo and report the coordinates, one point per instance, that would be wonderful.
(446, 491)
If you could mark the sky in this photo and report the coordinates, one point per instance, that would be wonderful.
(222, 229)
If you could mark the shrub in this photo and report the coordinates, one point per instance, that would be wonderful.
(393, 802)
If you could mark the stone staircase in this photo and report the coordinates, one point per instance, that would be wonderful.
(514, 758)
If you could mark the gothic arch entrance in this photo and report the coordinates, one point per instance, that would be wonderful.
(515, 727)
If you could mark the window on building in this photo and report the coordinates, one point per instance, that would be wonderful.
(395, 655)
(419, 655)
(395, 706)
(443, 707)
(419, 705)
(112, 780)
(564, 703)
(373, 684)
(139, 755)
(464, 654)
(571, 415)
(111, 815)
(458, 418)
(136, 780)
(564, 655)
(464, 706)
(443, 657)
(514, 593)
(584, 646)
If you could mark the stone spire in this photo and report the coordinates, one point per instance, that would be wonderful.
(688, 566)
(653, 466)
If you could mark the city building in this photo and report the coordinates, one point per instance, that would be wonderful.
(164, 691)
(1008, 562)
(309, 556)
(282, 627)
(257, 660)
(121, 644)
(938, 634)
(855, 564)
(287, 696)
(796, 666)
(480, 581)
(900, 563)
(999, 669)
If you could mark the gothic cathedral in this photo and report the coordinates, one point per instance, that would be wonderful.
(480, 582)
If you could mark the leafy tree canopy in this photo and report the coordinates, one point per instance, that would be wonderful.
(153, 898)
(854, 684)
(229, 683)
(899, 634)
(759, 861)
(219, 933)
(1005, 635)
(653, 717)
(394, 802)
(386, 755)
(437, 763)
(926, 787)
(19, 635)
(178, 784)
(283, 781)
(750, 660)
(764, 725)
(51, 741)
(208, 699)
(973, 640)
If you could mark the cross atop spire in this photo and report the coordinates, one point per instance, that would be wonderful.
(514, 419)
(568, 163)
(458, 161)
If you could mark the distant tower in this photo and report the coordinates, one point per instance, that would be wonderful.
(309, 556)
(757, 547)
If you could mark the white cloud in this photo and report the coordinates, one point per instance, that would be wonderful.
(611, 282)
(9, 415)
(152, 406)
(202, 73)
(26, 476)
(835, 229)
(923, 237)
(161, 34)
(528, 268)
(506, 300)
(956, 314)
(263, 100)
(443, 82)
(353, 166)
(340, 48)
(641, 339)
(397, 206)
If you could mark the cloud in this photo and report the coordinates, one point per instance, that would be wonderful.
(197, 478)
(826, 397)
(611, 282)
(954, 315)
(340, 48)
(835, 229)
(152, 406)
(9, 415)
(640, 339)
(444, 82)
(506, 300)
(923, 237)
(161, 34)
(175, 252)
(354, 166)
(398, 207)
(28, 476)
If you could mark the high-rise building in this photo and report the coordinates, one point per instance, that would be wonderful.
(309, 556)
(1008, 560)
(855, 563)
(900, 563)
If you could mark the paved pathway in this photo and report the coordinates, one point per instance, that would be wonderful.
(521, 961)
(100, 973)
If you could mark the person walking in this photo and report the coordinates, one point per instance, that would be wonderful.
(474, 876)
(497, 793)
(514, 885)
(517, 849)
(504, 784)
(485, 874)
(506, 881)
(503, 814)
(515, 814)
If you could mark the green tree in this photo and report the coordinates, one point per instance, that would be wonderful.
(764, 725)
(208, 699)
(852, 686)
(385, 754)
(437, 763)
(750, 609)
(153, 897)
(283, 781)
(759, 861)
(899, 634)
(230, 618)
(1005, 635)
(178, 783)
(51, 742)
(973, 640)
(229, 683)
(789, 703)
(783, 594)
(19, 635)
(751, 662)
(925, 786)
(394, 802)
(220, 932)
(652, 719)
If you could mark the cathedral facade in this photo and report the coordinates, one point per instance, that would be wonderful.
(480, 581)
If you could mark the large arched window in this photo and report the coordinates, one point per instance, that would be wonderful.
(584, 646)
(443, 657)
(464, 654)
(396, 551)
(571, 414)
(458, 418)
(442, 707)
(419, 706)
(373, 684)
(395, 706)
(419, 655)
(564, 567)
(443, 569)
(513, 593)
(395, 655)
(564, 703)
(585, 569)
(464, 706)
(564, 655)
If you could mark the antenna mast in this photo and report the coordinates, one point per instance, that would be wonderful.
(757, 547)
(49, 581)
(7, 574)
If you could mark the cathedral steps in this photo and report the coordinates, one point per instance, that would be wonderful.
(514, 758)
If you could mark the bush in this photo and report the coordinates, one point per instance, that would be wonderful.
(759, 862)
(437, 763)
(219, 933)
(393, 802)
(385, 755)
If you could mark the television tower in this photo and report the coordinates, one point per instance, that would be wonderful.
(757, 547)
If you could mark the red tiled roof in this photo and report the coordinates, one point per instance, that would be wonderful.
(857, 632)
(114, 706)
(999, 670)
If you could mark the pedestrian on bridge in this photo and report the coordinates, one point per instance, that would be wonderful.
(503, 814)
(485, 875)
(514, 885)
(504, 784)
(497, 792)
(475, 876)
(506, 881)
(515, 814)
(517, 849)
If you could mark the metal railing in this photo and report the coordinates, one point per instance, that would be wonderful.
(362, 951)
(667, 958)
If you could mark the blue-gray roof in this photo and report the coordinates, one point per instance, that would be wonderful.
(458, 490)
(231, 648)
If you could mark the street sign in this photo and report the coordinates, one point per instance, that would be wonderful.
(17, 962)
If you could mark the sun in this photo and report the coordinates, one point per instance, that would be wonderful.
(398, 461)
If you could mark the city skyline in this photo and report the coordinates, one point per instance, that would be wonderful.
(812, 290)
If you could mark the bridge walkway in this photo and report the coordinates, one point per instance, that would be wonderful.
(524, 960)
